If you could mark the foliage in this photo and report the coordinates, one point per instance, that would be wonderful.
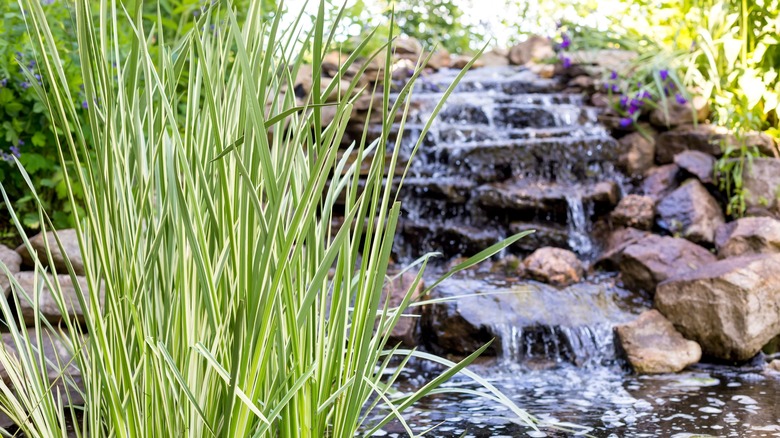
(435, 23)
(231, 308)
(724, 50)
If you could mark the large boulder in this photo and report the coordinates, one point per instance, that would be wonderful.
(730, 307)
(535, 48)
(13, 263)
(653, 346)
(554, 265)
(637, 152)
(761, 182)
(31, 282)
(703, 138)
(698, 164)
(691, 212)
(653, 259)
(635, 211)
(660, 181)
(70, 243)
(439, 59)
(748, 235)
(615, 243)
(674, 113)
(494, 58)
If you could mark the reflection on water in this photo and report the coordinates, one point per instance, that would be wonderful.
(705, 401)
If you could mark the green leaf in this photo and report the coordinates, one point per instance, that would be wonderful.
(39, 139)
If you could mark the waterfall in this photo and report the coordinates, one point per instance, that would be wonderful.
(578, 223)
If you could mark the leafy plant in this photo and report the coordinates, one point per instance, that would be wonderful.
(230, 308)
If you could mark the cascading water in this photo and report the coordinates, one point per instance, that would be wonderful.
(579, 227)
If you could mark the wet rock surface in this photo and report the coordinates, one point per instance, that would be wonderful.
(653, 259)
(653, 346)
(703, 138)
(635, 211)
(691, 212)
(730, 307)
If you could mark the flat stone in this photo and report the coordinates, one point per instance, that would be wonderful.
(554, 265)
(698, 164)
(544, 235)
(654, 259)
(69, 242)
(709, 139)
(13, 263)
(47, 305)
(748, 235)
(660, 181)
(730, 307)
(635, 211)
(653, 346)
(691, 212)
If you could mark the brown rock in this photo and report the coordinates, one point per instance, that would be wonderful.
(676, 114)
(603, 192)
(494, 59)
(554, 265)
(331, 63)
(761, 182)
(748, 235)
(653, 346)
(730, 307)
(638, 152)
(30, 281)
(660, 181)
(69, 242)
(535, 48)
(774, 366)
(634, 211)
(691, 212)
(439, 60)
(653, 259)
(407, 48)
(617, 242)
(13, 263)
(709, 139)
(583, 82)
(405, 330)
(698, 164)
(460, 61)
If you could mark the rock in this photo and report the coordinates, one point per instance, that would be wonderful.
(605, 60)
(582, 82)
(691, 212)
(535, 48)
(460, 61)
(554, 265)
(545, 234)
(636, 211)
(509, 265)
(698, 164)
(730, 307)
(660, 181)
(331, 63)
(761, 182)
(748, 235)
(676, 114)
(653, 259)
(12, 261)
(493, 59)
(439, 60)
(603, 193)
(339, 90)
(653, 346)
(69, 242)
(703, 138)
(762, 142)
(405, 331)
(617, 242)
(406, 47)
(303, 81)
(774, 366)
(47, 304)
(638, 153)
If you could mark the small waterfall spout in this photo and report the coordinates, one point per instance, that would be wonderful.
(579, 224)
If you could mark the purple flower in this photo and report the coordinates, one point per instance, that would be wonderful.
(3, 82)
(664, 74)
(566, 61)
(625, 122)
(613, 75)
(19, 55)
(31, 64)
(20, 142)
(84, 104)
(566, 42)
(15, 151)
(25, 85)
(623, 101)
(680, 99)
(615, 88)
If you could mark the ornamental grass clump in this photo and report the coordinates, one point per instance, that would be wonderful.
(230, 308)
